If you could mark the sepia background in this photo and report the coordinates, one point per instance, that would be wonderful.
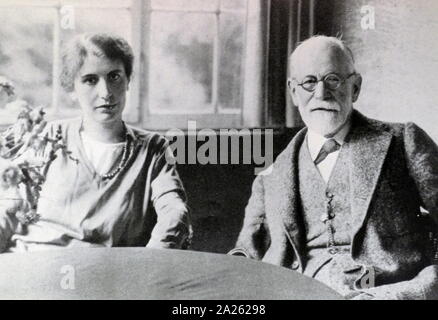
(223, 63)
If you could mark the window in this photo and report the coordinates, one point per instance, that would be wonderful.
(197, 73)
(195, 59)
(32, 34)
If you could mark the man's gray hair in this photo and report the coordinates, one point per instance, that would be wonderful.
(332, 41)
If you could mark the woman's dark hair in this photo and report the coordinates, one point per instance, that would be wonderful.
(75, 52)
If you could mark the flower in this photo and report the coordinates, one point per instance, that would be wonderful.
(7, 86)
(37, 115)
(10, 174)
(25, 154)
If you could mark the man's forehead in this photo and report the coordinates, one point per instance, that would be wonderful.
(320, 58)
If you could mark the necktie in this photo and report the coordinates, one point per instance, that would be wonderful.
(328, 147)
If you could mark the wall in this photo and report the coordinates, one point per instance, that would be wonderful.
(398, 59)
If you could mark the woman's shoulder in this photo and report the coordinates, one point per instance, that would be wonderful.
(62, 126)
(149, 139)
(63, 123)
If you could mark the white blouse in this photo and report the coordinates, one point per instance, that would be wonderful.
(103, 156)
(144, 203)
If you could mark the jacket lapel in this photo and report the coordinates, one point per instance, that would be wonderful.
(368, 149)
(283, 189)
(367, 145)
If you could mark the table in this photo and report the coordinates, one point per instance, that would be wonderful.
(140, 273)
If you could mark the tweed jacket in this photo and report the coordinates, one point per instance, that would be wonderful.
(393, 172)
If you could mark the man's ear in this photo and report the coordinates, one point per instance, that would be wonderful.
(292, 91)
(356, 87)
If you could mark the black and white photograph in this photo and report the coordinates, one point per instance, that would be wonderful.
(241, 151)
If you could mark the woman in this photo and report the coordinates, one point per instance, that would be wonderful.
(114, 186)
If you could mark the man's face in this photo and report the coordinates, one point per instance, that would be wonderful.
(324, 110)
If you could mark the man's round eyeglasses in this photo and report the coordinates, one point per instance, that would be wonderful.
(332, 81)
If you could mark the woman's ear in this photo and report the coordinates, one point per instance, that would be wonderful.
(356, 87)
(129, 81)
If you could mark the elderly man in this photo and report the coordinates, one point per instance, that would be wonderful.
(342, 203)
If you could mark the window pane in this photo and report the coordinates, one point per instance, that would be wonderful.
(26, 51)
(185, 4)
(232, 40)
(181, 63)
(116, 21)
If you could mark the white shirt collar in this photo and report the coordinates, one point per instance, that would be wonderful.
(315, 141)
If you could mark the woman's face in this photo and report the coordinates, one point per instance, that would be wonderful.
(100, 87)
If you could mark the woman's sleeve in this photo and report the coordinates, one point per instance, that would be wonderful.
(8, 225)
(173, 228)
(9, 201)
(11, 198)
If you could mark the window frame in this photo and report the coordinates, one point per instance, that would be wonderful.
(253, 97)
(254, 93)
(55, 110)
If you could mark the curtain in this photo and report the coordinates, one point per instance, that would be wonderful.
(301, 26)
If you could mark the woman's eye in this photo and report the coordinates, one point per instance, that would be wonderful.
(90, 81)
(114, 76)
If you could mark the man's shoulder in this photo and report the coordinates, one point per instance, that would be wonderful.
(393, 128)
(284, 161)
(405, 132)
(293, 146)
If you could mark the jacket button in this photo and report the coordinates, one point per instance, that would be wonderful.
(295, 265)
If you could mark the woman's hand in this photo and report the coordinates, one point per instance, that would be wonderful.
(10, 204)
